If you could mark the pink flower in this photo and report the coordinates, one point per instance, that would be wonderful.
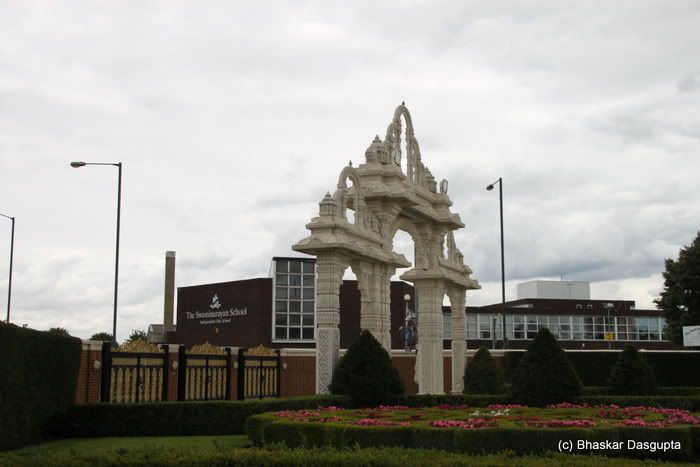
(464, 424)
(505, 406)
(375, 422)
(451, 407)
(581, 423)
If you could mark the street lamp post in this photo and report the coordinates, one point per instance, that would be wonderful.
(12, 251)
(77, 165)
(503, 271)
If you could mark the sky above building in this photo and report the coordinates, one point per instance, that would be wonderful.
(233, 120)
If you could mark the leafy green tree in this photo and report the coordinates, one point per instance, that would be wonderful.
(631, 374)
(101, 336)
(59, 331)
(366, 374)
(482, 375)
(680, 299)
(544, 375)
(136, 334)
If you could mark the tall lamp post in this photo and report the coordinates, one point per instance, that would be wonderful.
(77, 165)
(503, 271)
(12, 251)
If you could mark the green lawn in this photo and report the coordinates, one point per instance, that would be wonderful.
(90, 446)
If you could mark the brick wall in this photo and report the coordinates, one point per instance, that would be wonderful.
(298, 373)
(88, 388)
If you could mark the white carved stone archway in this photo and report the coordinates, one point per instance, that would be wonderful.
(385, 200)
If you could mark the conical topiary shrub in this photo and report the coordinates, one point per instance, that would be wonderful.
(482, 375)
(366, 374)
(544, 375)
(631, 374)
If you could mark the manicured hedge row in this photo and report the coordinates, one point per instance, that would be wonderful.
(691, 402)
(372, 457)
(670, 368)
(267, 429)
(175, 418)
(38, 377)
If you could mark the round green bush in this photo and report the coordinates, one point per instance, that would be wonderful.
(631, 374)
(366, 374)
(544, 374)
(482, 375)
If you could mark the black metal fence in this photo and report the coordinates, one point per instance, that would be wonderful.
(143, 376)
(258, 374)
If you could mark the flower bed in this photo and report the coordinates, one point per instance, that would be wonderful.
(496, 415)
(486, 429)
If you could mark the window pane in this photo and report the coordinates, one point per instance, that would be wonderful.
(281, 306)
(307, 320)
(295, 280)
(295, 266)
(308, 280)
(294, 333)
(281, 279)
(295, 293)
(294, 320)
(295, 307)
(281, 292)
(308, 267)
(282, 266)
(308, 307)
(281, 319)
(308, 333)
(308, 293)
(280, 333)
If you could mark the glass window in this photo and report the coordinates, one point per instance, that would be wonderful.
(484, 326)
(519, 327)
(472, 329)
(294, 281)
(308, 307)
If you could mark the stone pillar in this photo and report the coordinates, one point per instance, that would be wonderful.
(383, 280)
(330, 269)
(169, 294)
(370, 316)
(429, 359)
(459, 338)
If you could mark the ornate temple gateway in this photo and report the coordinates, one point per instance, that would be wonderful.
(386, 198)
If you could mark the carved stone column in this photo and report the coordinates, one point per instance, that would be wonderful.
(429, 364)
(370, 308)
(459, 338)
(330, 267)
(383, 280)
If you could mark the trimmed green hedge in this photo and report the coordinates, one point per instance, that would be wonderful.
(283, 457)
(38, 377)
(670, 368)
(176, 418)
(267, 429)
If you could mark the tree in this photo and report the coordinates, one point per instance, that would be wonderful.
(366, 374)
(544, 375)
(59, 331)
(482, 375)
(680, 299)
(136, 334)
(631, 374)
(101, 336)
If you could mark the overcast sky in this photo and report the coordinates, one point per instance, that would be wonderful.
(233, 119)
